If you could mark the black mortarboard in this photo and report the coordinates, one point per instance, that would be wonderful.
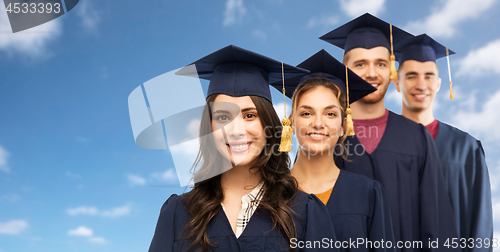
(238, 72)
(323, 65)
(420, 48)
(367, 31)
(423, 48)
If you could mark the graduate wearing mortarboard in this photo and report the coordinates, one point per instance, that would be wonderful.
(462, 156)
(358, 205)
(387, 147)
(244, 197)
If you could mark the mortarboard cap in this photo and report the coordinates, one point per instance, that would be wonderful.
(323, 65)
(423, 48)
(238, 72)
(367, 31)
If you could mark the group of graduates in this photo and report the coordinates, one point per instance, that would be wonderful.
(364, 178)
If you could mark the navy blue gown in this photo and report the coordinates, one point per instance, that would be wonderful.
(312, 225)
(406, 163)
(466, 174)
(359, 208)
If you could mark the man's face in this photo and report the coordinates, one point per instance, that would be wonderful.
(373, 66)
(419, 83)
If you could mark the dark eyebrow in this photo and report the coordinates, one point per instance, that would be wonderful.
(248, 109)
(328, 107)
(359, 61)
(430, 73)
(221, 111)
(411, 73)
(382, 60)
(332, 106)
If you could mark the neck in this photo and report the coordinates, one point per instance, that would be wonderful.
(424, 117)
(361, 110)
(240, 179)
(316, 173)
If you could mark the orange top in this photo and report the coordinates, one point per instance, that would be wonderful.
(324, 196)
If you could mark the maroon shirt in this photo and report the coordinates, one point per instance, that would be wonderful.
(370, 131)
(433, 128)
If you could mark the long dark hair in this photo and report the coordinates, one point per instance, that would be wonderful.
(206, 196)
(322, 82)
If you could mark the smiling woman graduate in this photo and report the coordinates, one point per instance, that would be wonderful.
(244, 197)
(358, 205)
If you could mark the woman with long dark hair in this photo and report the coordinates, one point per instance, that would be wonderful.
(244, 197)
(358, 205)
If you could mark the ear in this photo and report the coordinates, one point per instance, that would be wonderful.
(439, 84)
(396, 85)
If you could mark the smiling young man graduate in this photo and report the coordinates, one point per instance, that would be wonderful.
(462, 156)
(387, 147)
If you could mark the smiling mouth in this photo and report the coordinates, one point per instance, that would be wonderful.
(420, 96)
(239, 147)
(375, 85)
(317, 136)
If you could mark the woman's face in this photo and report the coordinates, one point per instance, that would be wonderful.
(318, 121)
(237, 131)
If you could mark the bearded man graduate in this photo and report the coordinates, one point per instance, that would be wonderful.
(387, 147)
(462, 156)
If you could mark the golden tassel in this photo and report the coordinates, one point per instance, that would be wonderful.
(286, 132)
(349, 123)
(394, 72)
(449, 72)
(286, 136)
(451, 91)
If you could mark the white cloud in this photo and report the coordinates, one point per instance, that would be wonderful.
(481, 122)
(135, 180)
(94, 211)
(326, 21)
(280, 109)
(482, 61)
(445, 18)
(31, 43)
(394, 96)
(261, 35)
(354, 8)
(116, 212)
(164, 176)
(193, 128)
(89, 15)
(4, 155)
(99, 240)
(234, 12)
(13, 227)
(10, 197)
(83, 210)
(73, 175)
(81, 231)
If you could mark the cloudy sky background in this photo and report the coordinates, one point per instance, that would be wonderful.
(71, 176)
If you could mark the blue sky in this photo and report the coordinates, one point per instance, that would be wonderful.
(72, 177)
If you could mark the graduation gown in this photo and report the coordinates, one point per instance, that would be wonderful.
(466, 175)
(359, 208)
(312, 224)
(406, 163)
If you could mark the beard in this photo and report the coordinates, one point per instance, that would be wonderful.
(376, 96)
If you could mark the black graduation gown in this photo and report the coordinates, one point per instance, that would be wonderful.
(466, 174)
(406, 163)
(359, 208)
(312, 224)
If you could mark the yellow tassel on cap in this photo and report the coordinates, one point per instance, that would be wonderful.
(394, 72)
(286, 136)
(286, 133)
(348, 112)
(449, 73)
(349, 123)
